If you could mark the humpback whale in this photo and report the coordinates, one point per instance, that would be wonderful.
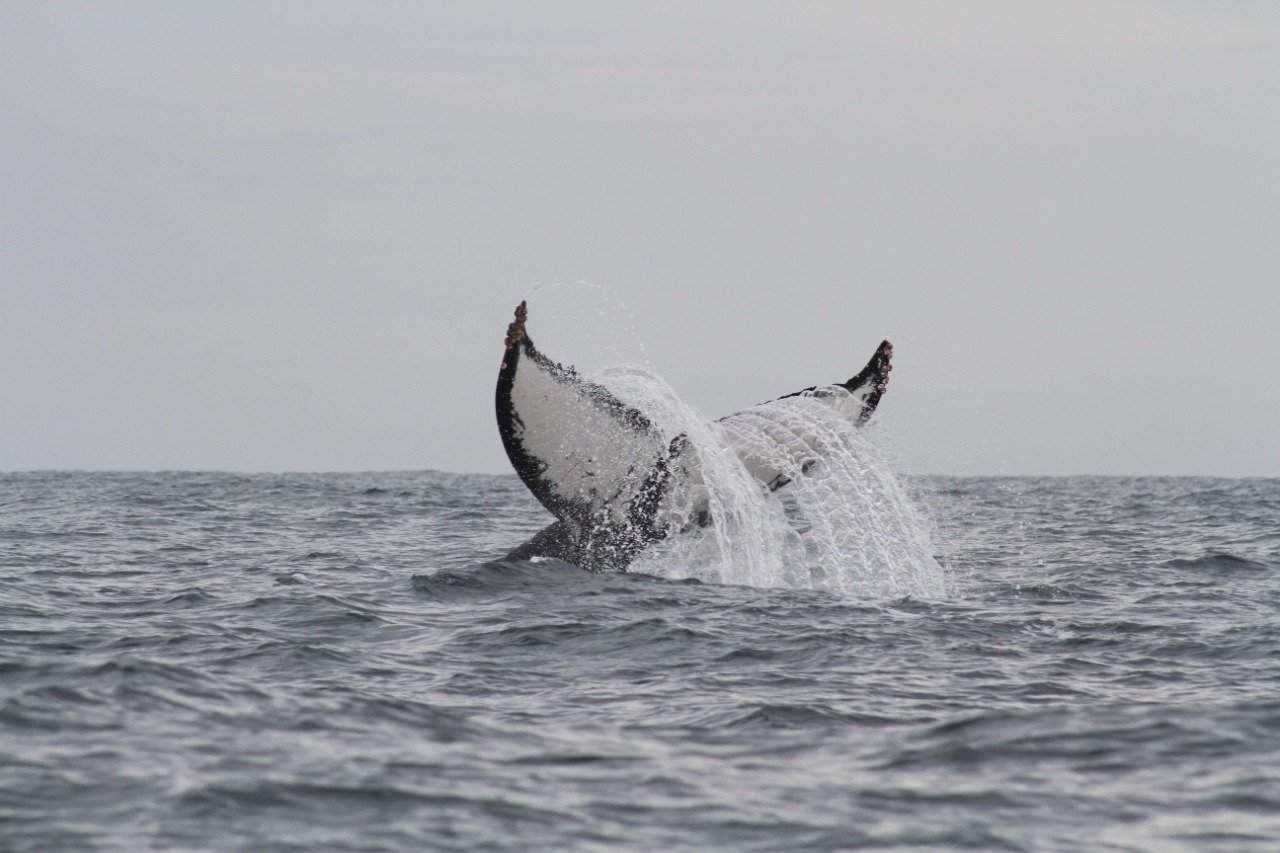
(607, 472)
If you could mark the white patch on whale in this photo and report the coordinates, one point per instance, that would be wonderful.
(588, 452)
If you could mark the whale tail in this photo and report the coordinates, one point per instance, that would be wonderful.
(607, 472)
(596, 463)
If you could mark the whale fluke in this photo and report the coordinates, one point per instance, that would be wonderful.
(605, 470)
(597, 464)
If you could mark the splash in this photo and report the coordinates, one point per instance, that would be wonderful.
(843, 524)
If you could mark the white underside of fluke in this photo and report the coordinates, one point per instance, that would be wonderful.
(771, 448)
(587, 451)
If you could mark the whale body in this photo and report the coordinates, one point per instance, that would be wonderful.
(608, 473)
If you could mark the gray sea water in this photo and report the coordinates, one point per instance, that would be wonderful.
(195, 661)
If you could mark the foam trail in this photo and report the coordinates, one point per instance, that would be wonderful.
(844, 524)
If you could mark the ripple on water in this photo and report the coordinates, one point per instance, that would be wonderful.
(1101, 676)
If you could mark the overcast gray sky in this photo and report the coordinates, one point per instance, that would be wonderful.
(275, 236)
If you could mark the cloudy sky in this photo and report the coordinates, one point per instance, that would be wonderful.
(289, 236)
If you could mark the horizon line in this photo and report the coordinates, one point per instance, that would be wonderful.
(356, 471)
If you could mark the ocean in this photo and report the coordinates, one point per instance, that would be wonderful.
(272, 662)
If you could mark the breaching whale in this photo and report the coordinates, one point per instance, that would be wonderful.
(607, 472)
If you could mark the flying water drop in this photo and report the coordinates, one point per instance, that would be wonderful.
(839, 521)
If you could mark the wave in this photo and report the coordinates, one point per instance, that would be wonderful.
(1218, 563)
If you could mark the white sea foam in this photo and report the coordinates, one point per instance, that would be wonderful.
(846, 526)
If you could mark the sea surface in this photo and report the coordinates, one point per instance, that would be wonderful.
(207, 661)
